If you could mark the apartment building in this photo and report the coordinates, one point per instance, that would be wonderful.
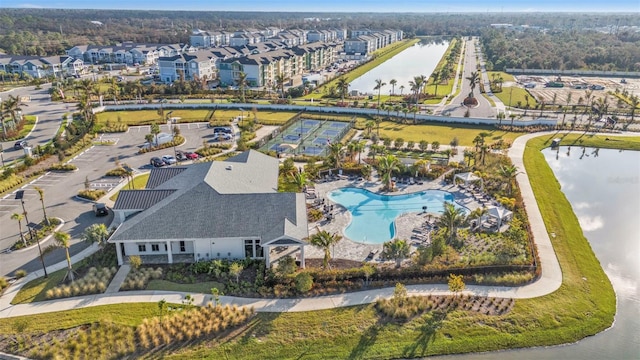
(41, 67)
(187, 66)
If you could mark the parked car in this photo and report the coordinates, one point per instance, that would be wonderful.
(529, 85)
(180, 155)
(222, 136)
(157, 162)
(100, 209)
(222, 129)
(597, 87)
(20, 144)
(169, 160)
(191, 155)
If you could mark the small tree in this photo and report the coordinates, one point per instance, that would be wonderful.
(323, 239)
(162, 306)
(155, 130)
(456, 283)
(135, 261)
(286, 266)
(304, 282)
(397, 250)
(368, 270)
(215, 293)
(96, 233)
(235, 269)
(399, 293)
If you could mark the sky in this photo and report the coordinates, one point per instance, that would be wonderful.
(344, 6)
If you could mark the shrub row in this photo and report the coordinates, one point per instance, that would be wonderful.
(95, 282)
(177, 140)
(115, 128)
(119, 171)
(91, 194)
(62, 167)
(10, 182)
(208, 151)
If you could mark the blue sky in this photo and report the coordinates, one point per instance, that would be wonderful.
(345, 6)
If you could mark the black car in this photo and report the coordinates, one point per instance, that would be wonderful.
(20, 144)
(157, 162)
(100, 209)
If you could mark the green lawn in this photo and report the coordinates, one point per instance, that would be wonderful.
(505, 77)
(35, 290)
(139, 182)
(517, 95)
(442, 133)
(201, 288)
(584, 305)
(138, 117)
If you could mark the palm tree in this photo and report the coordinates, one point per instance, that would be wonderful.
(401, 89)
(63, 239)
(386, 166)
(634, 105)
(351, 149)
(359, 148)
(369, 126)
(242, 83)
(417, 85)
(393, 83)
(96, 233)
(19, 217)
(501, 115)
(280, 80)
(299, 179)
(474, 79)
(450, 220)
(397, 250)
(509, 174)
(336, 151)
(41, 194)
(114, 89)
(343, 87)
(437, 77)
(379, 85)
(12, 108)
(324, 240)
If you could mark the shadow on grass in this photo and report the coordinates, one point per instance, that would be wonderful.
(427, 335)
(367, 340)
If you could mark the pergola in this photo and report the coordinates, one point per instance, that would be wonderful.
(285, 242)
(500, 214)
(467, 177)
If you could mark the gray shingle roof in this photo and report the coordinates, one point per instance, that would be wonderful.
(209, 201)
(160, 175)
(140, 199)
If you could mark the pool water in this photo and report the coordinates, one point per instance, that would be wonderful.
(373, 215)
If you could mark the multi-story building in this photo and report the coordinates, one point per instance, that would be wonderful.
(364, 41)
(40, 67)
(187, 66)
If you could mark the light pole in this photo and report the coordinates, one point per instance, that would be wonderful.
(510, 93)
(20, 196)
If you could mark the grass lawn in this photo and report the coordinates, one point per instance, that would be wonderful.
(490, 100)
(35, 290)
(505, 77)
(202, 288)
(518, 95)
(139, 182)
(138, 117)
(584, 305)
(442, 133)
(272, 117)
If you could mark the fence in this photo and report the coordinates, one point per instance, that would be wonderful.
(630, 74)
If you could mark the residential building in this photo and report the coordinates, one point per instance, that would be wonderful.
(216, 210)
(40, 67)
(188, 66)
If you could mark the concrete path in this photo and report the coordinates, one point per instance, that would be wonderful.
(550, 280)
(118, 279)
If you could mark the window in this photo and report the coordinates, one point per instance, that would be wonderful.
(182, 247)
(252, 249)
(259, 249)
(155, 247)
(248, 248)
(142, 248)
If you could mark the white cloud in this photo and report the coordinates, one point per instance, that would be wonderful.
(29, 6)
(590, 223)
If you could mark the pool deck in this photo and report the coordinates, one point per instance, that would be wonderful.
(405, 223)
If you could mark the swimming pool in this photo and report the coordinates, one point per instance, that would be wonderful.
(373, 215)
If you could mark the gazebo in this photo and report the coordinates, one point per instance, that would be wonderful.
(467, 177)
(500, 214)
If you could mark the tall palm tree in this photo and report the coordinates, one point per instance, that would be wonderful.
(280, 80)
(324, 240)
(114, 89)
(351, 149)
(63, 240)
(474, 79)
(242, 84)
(401, 89)
(343, 87)
(634, 105)
(19, 218)
(501, 115)
(41, 195)
(386, 166)
(393, 83)
(437, 77)
(450, 220)
(369, 126)
(336, 151)
(417, 85)
(12, 108)
(509, 174)
(396, 250)
(379, 85)
(359, 148)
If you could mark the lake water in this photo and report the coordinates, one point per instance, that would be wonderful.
(604, 190)
(420, 59)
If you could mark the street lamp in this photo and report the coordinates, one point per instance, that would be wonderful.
(20, 196)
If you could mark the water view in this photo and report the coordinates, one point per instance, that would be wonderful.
(420, 59)
(603, 187)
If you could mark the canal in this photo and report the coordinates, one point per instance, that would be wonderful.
(419, 59)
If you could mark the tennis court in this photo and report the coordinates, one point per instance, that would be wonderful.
(307, 136)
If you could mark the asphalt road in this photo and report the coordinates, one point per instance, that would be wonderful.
(60, 188)
(484, 109)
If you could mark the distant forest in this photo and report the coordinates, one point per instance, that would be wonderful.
(570, 43)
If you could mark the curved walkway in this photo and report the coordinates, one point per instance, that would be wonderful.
(550, 280)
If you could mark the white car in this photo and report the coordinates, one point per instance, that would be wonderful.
(223, 136)
(168, 159)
